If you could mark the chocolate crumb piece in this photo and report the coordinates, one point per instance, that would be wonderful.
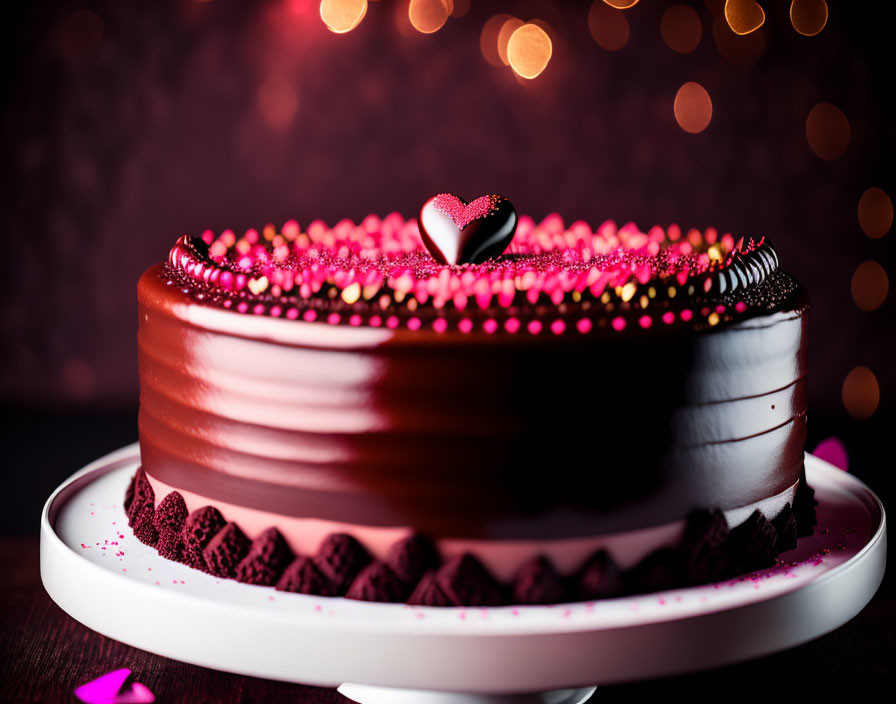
(129, 493)
(198, 530)
(268, 556)
(143, 494)
(753, 544)
(169, 519)
(303, 577)
(537, 583)
(428, 592)
(785, 524)
(662, 569)
(339, 558)
(143, 527)
(600, 578)
(704, 546)
(466, 582)
(225, 550)
(377, 582)
(804, 504)
(411, 557)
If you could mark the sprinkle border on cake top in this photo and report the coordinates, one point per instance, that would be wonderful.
(553, 278)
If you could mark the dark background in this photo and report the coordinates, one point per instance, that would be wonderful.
(126, 124)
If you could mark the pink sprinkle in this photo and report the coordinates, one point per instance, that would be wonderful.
(720, 309)
(440, 325)
(333, 318)
(686, 315)
(534, 327)
(461, 214)
(668, 317)
(557, 327)
(375, 321)
(413, 323)
(292, 313)
(618, 324)
(490, 326)
(355, 320)
(242, 307)
(258, 309)
(645, 321)
(276, 311)
(584, 325)
(512, 325)
(740, 306)
(465, 325)
(392, 322)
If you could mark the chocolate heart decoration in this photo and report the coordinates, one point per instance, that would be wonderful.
(457, 232)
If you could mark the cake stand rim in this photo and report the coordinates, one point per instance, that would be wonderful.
(875, 548)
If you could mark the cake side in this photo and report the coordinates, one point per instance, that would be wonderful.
(499, 444)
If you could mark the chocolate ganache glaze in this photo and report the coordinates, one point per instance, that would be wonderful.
(585, 382)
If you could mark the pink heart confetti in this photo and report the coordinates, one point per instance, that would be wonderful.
(833, 450)
(107, 690)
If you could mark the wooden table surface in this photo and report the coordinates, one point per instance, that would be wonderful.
(45, 654)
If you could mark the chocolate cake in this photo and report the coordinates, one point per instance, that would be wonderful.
(341, 411)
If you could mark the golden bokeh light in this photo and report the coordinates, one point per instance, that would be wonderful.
(507, 29)
(861, 393)
(875, 213)
(808, 16)
(608, 26)
(621, 4)
(827, 131)
(428, 16)
(342, 16)
(869, 286)
(529, 50)
(693, 108)
(744, 16)
(681, 28)
(739, 49)
(488, 38)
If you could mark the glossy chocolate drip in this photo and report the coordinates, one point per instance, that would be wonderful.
(469, 435)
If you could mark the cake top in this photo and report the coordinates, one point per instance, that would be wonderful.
(552, 278)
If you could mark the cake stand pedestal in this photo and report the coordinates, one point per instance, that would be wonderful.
(95, 570)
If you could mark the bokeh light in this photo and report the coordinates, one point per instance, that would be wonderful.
(428, 16)
(507, 29)
(808, 16)
(827, 131)
(608, 26)
(681, 28)
(80, 37)
(869, 286)
(875, 213)
(488, 38)
(529, 50)
(744, 16)
(342, 16)
(693, 108)
(621, 4)
(833, 450)
(741, 50)
(277, 101)
(861, 393)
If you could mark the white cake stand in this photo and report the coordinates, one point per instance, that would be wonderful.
(94, 568)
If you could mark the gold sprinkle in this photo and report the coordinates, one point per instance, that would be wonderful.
(385, 301)
(651, 292)
(691, 290)
(605, 297)
(412, 303)
(398, 296)
(672, 292)
(715, 253)
(258, 285)
(628, 291)
(370, 291)
(644, 302)
(351, 293)
(713, 319)
(576, 296)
